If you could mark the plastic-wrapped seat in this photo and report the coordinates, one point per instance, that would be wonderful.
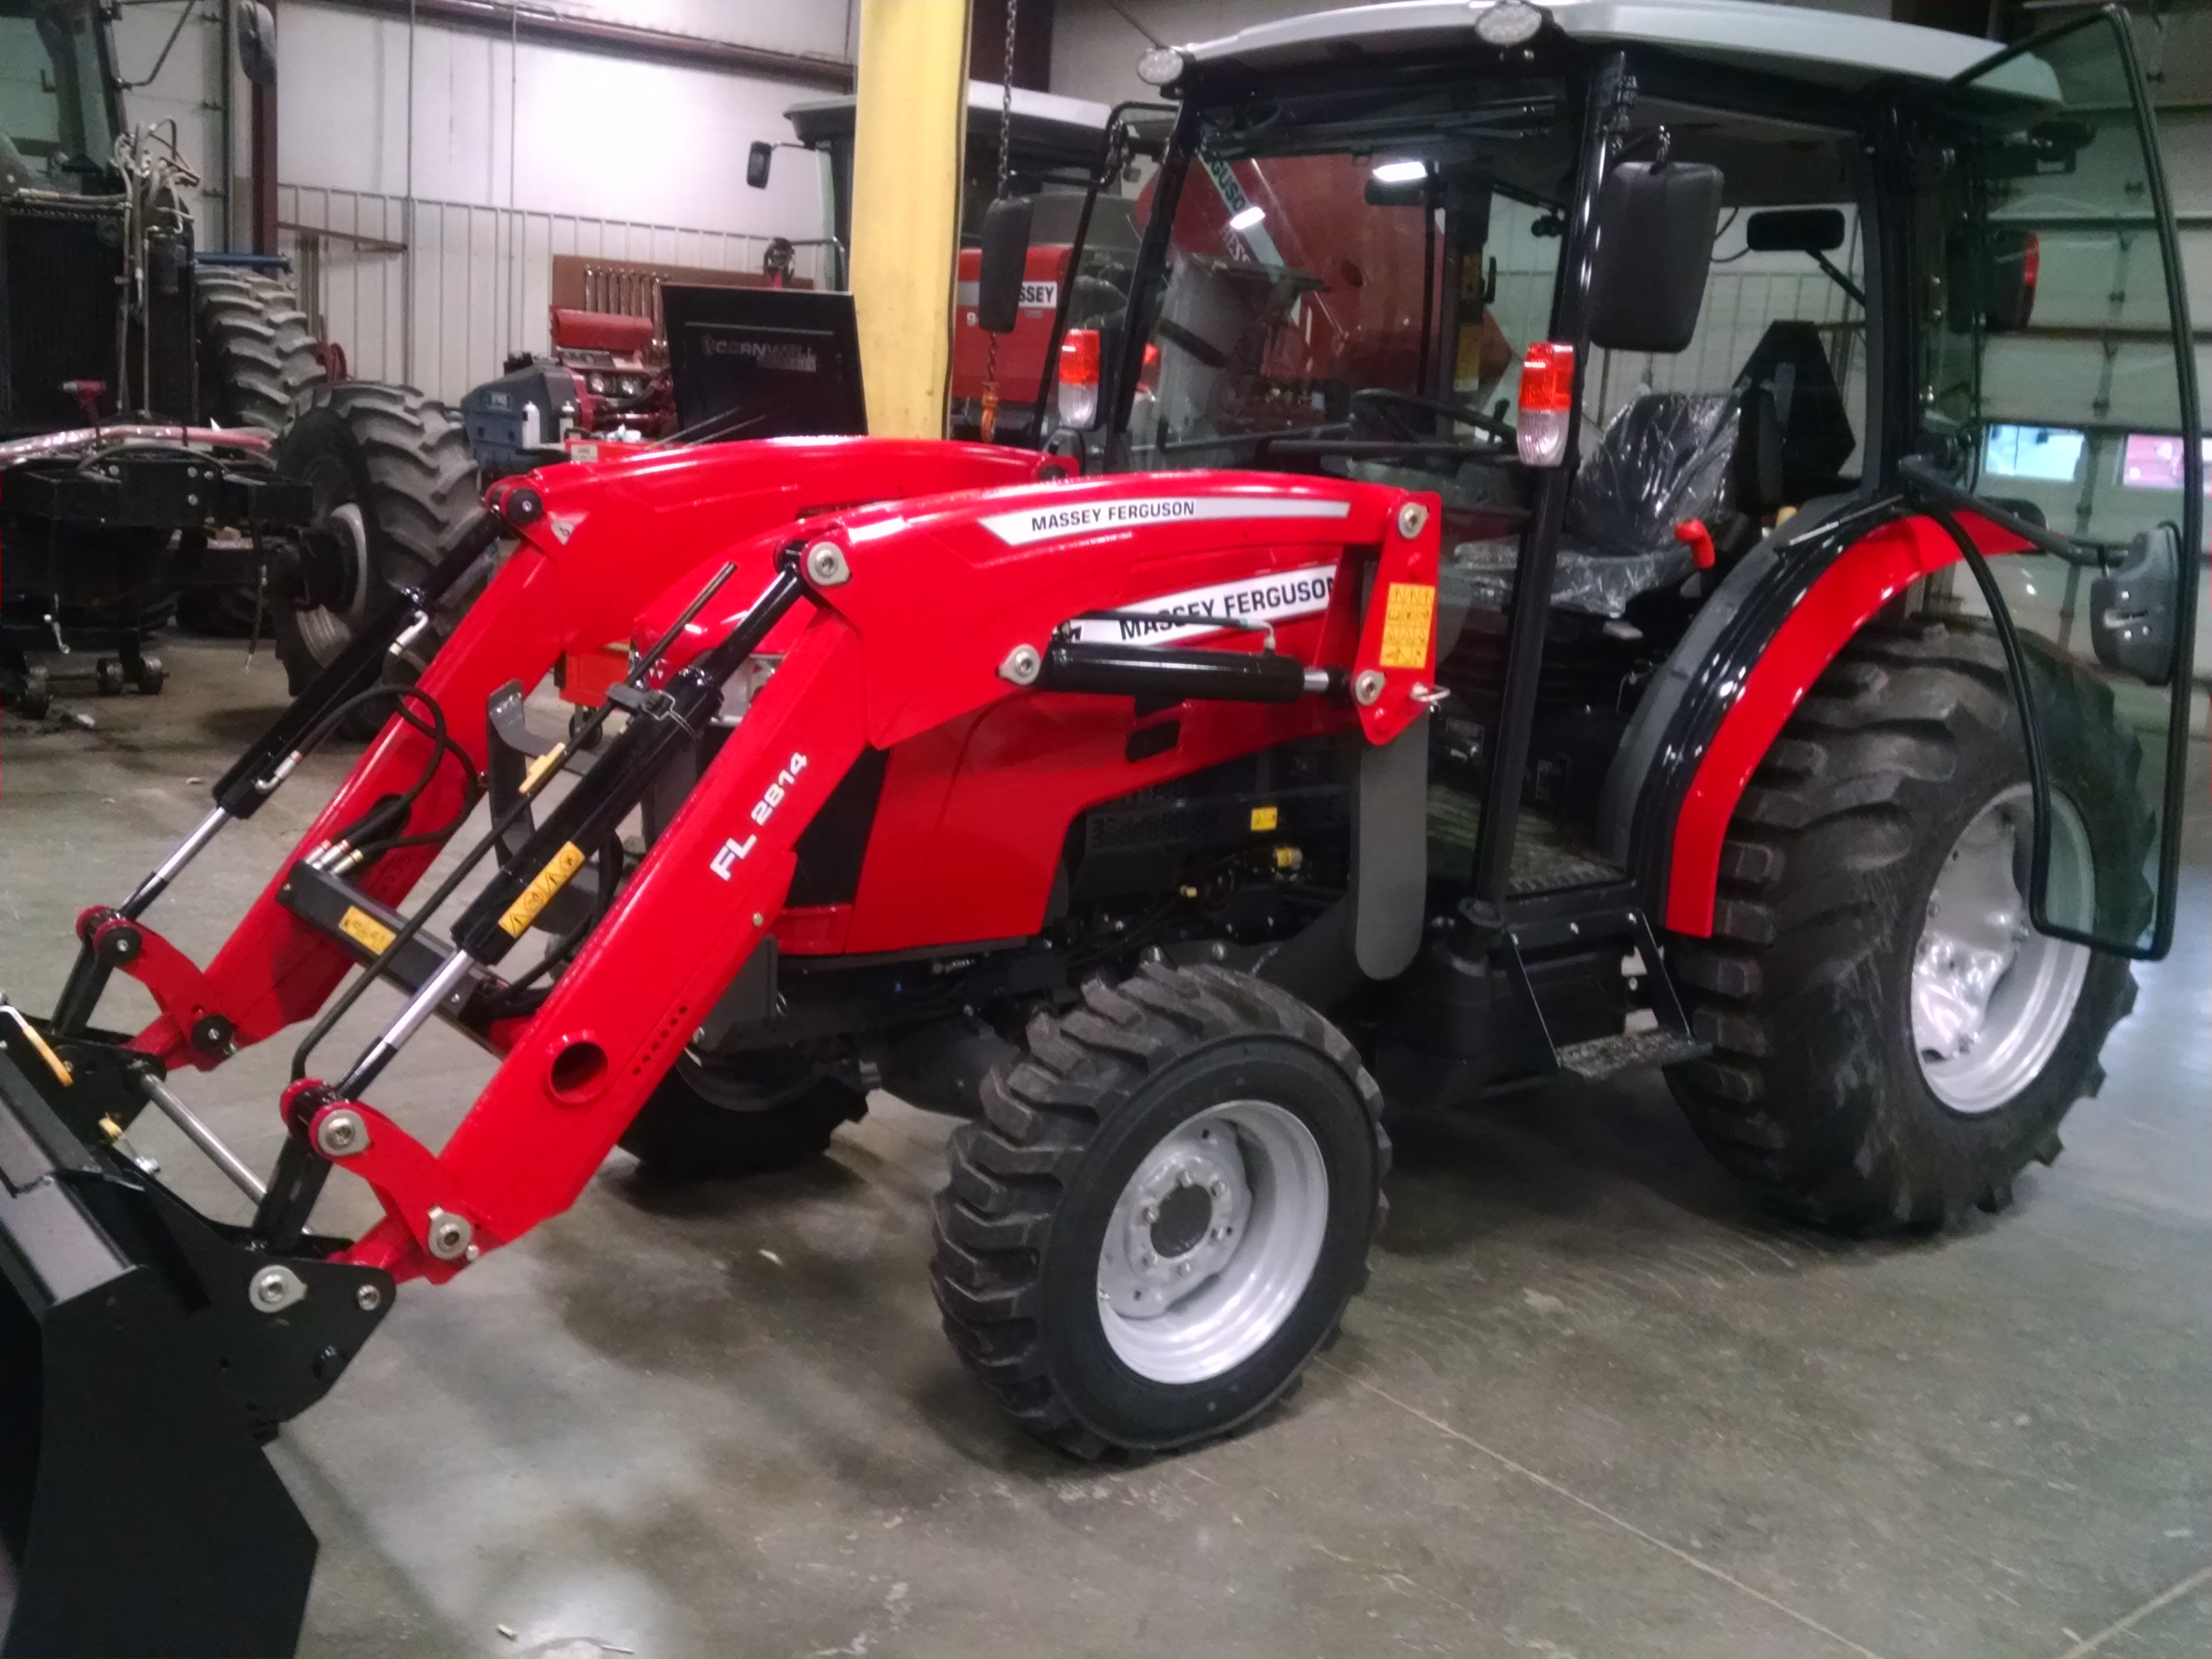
(1667, 456)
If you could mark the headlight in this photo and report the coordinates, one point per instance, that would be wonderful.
(1509, 23)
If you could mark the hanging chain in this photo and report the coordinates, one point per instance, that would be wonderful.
(990, 421)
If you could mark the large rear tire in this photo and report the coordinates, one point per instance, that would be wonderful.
(1162, 1213)
(256, 358)
(760, 1114)
(1891, 1042)
(394, 482)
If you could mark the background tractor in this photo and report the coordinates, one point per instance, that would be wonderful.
(169, 437)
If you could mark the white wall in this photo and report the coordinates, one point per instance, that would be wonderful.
(542, 128)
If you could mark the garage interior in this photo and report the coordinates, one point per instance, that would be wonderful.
(1596, 1396)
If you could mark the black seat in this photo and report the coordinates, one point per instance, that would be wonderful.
(1790, 366)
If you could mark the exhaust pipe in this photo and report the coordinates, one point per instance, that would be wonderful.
(146, 1353)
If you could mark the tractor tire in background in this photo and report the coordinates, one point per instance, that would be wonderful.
(1890, 1042)
(1162, 1213)
(760, 1114)
(256, 358)
(393, 478)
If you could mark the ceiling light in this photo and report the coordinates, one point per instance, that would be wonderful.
(1245, 217)
(1401, 172)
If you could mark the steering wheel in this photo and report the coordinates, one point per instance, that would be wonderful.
(1466, 414)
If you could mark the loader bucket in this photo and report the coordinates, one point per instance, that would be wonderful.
(138, 1513)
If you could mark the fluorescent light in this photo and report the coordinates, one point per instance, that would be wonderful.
(1401, 172)
(1245, 217)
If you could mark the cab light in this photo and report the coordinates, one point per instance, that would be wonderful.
(1079, 378)
(1547, 398)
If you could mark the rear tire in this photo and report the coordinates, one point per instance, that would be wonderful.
(1198, 1101)
(257, 357)
(393, 478)
(765, 1114)
(1819, 1090)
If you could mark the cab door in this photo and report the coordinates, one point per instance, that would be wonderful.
(2057, 392)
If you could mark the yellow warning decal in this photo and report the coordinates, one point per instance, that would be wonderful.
(1411, 608)
(536, 896)
(365, 930)
(1265, 818)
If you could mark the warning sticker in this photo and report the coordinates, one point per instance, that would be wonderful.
(365, 930)
(536, 896)
(1042, 523)
(1405, 618)
(1277, 597)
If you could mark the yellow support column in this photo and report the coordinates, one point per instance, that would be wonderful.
(912, 122)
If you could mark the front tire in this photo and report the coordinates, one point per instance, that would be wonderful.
(761, 1115)
(1879, 1061)
(1164, 1211)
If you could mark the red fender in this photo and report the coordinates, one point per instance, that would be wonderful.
(1866, 576)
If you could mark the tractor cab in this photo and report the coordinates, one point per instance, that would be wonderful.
(1647, 299)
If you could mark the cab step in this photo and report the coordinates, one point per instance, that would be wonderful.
(1602, 1057)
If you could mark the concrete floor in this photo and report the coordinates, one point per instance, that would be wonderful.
(1594, 1400)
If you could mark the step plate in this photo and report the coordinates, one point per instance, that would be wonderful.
(1602, 1057)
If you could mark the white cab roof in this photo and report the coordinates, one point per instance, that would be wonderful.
(1836, 48)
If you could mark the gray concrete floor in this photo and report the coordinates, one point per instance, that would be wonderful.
(1594, 1400)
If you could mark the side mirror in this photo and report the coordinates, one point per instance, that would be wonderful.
(1654, 240)
(1794, 230)
(757, 164)
(1004, 259)
(256, 42)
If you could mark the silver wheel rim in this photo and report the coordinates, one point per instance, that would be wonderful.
(1214, 1241)
(327, 632)
(1992, 996)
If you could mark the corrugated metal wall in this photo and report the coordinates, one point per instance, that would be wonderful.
(439, 304)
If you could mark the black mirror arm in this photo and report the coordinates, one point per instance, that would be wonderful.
(1921, 480)
(1858, 293)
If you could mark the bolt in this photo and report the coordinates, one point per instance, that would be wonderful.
(1182, 1270)
(759, 920)
(448, 1234)
(1022, 666)
(825, 564)
(1149, 1260)
(1367, 688)
(341, 1133)
(274, 1289)
(1219, 953)
(1412, 518)
(1220, 1187)
(1151, 1212)
(368, 1299)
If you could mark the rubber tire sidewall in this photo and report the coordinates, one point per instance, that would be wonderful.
(1097, 1385)
(1975, 1149)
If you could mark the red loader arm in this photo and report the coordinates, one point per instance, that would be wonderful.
(597, 543)
(919, 617)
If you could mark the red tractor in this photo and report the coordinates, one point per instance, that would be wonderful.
(1339, 739)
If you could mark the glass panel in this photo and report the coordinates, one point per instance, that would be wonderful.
(2050, 383)
(53, 103)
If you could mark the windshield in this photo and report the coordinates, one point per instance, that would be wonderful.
(1331, 294)
(53, 95)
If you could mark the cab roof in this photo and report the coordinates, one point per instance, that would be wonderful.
(1836, 49)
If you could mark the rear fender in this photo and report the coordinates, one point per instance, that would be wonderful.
(1730, 694)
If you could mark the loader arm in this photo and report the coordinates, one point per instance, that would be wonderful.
(908, 623)
(596, 544)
